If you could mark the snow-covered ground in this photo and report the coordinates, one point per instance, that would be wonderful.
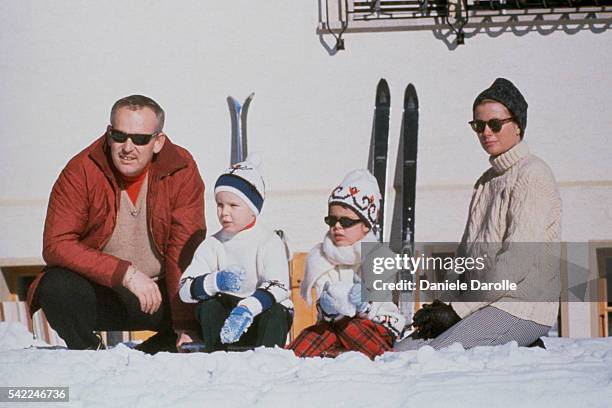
(570, 373)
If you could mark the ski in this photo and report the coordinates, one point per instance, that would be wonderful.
(410, 134)
(243, 125)
(402, 234)
(379, 144)
(238, 116)
(239, 145)
(236, 138)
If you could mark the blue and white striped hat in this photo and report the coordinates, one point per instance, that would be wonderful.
(244, 180)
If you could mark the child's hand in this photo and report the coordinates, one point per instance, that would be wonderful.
(236, 324)
(229, 279)
(335, 300)
(327, 301)
(355, 297)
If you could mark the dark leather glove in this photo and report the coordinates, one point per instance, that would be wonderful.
(433, 319)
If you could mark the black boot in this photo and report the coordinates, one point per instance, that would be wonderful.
(161, 341)
(538, 343)
(100, 344)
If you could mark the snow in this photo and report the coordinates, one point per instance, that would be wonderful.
(570, 373)
(14, 335)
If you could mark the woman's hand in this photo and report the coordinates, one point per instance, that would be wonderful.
(433, 319)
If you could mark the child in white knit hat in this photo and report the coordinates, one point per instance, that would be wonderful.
(240, 275)
(346, 321)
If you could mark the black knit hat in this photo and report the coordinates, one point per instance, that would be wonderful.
(504, 92)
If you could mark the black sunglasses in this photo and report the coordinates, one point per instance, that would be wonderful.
(345, 222)
(137, 139)
(495, 125)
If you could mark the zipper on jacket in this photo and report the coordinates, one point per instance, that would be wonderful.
(117, 193)
(153, 182)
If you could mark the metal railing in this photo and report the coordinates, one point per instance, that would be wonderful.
(459, 17)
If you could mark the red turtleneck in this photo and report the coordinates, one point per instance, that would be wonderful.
(132, 184)
(251, 225)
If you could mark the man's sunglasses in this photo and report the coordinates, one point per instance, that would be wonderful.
(137, 139)
(345, 222)
(495, 125)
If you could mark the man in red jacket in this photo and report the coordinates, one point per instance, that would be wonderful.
(124, 219)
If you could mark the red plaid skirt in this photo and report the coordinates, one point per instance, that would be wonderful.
(326, 339)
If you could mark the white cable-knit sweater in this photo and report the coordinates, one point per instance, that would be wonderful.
(516, 201)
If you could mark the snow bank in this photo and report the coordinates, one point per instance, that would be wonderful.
(15, 336)
(570, 373)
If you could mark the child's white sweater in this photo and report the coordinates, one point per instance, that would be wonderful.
(258, 251)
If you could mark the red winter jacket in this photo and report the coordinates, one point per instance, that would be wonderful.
(82, 213)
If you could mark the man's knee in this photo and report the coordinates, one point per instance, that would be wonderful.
(60, 284)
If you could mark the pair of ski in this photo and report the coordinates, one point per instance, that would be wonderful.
(238, 117)
(404, 181)
(239, 143)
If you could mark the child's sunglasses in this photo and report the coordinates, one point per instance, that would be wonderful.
(137, 139)
(345, 222)
(495, 125)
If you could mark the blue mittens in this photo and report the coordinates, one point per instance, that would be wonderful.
(328, 302)
(355, 298)
(229, 280)
(236, 324)
(342, 298)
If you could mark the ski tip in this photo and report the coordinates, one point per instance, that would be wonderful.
(233, 104)
(382, 85)
(248, 100)
(383, 95)
(411, 100)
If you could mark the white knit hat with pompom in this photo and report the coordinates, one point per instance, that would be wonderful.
(244, 180)
(359, 191)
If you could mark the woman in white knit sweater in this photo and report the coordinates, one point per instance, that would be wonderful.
(513, 223)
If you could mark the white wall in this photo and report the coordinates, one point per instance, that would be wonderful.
(63, 64)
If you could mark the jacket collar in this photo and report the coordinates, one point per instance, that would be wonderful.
(164, 163)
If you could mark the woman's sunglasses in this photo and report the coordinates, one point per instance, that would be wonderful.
(345, 222)
(137, 139)
(495, 125)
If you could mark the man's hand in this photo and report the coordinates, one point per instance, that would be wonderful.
(145, 289)
(186, 336)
